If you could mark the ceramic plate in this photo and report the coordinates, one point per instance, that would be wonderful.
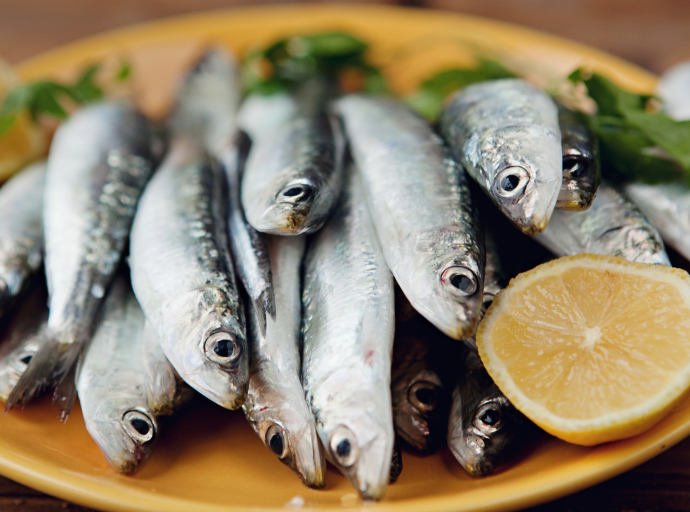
(209, 459)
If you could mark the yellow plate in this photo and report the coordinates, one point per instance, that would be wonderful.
(209, 459)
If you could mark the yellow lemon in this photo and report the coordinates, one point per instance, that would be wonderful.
(25, 141)
(591, 348)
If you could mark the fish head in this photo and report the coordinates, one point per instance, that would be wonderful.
(482, 423)
(417, 410)
(525, 164)
(283, 421)
(449, 294)
(289, 210)
(204, 341)
(125, 433)
(357, 433)
(581, 173)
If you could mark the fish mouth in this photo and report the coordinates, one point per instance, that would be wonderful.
(285, 219)
(469, 452)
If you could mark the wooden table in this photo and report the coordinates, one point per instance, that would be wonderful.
(654, 35)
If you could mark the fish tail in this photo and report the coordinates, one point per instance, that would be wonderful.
(66, 391)
(38, 375)
(54, 364)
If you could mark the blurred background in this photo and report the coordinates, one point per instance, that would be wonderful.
(654, 35)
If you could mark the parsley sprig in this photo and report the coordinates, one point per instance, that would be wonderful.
(638, 141)
(48, 97)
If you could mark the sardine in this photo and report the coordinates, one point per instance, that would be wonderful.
(275, 405)
(293, 176)
(99, 162)
(21, 231)
(483, 423)
(420, 400)
(667, 206)
(22, 337)
(422, 211)
(207, 105)
(183, 277)
(581, 168)
(612, 226)
(166, 392)
(506, 135)
(348, 323)
(112, 383)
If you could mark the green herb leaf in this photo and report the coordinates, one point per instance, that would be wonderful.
(85, 89)
(124, 72)
(287, 63)
(635, 143)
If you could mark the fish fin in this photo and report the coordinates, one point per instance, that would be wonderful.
(38, 375)
(268, 301)
(260, 315)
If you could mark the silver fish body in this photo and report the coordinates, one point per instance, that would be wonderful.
(581, 167)
(260, 116)
(275, 405)
(293, 176)
(667, 206)
(506, 135)
(612, 226)
(207, 104)
(166, 392)
(21, 231)
(112, 383)
(417, 389)
(348, 324)
(183, 276)
(22, 337)
(420, 205)
(483, 425)
(99, 162)
(208, 100)
(249, 247)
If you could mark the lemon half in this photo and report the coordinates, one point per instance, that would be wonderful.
(591, 348)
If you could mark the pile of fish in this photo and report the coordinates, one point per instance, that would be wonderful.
(309, 258)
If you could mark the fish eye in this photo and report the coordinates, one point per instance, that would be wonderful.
(488, 417)
(275, 440)
(295, 193)
(460, 281)
(138, 426)
(222, 348)
(511, 182)
(575, 165)
(344, 447)
(423, 395)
